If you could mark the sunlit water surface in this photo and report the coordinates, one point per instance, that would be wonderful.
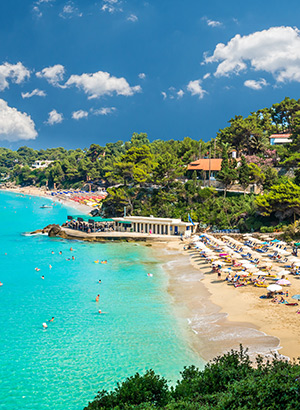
(82, 351)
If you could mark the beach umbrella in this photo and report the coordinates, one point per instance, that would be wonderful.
(259, 273)
(218, 263)
(283, 272)
(284, 282)
(297, 297)
(244, 261)
(297, 263)
(274, 288)
(227, 270)
(248, 265)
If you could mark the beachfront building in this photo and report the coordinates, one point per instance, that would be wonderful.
(280, 139)
(158, 226)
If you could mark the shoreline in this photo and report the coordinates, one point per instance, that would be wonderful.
(33, 191)
(221, 317)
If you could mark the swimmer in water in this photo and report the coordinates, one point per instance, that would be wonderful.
(60, 252)
(50, 266)
(149, 274)
(97, 298)
(52, 319)
(71, 249)
(52, 252)
(45, 325)
(1, 284)
(37, 269)
(73, 258)
(43, 277)
(99, 281)
(97, 261)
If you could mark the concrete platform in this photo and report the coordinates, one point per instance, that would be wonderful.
(117, 236)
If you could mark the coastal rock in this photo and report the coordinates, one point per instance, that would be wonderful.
(54, 231)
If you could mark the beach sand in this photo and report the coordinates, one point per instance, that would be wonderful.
(34, 191)
(221, 317)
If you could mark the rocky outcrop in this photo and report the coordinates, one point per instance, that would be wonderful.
(54, 230)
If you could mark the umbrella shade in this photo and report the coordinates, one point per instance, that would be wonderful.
(284, 282)
(296, 297)
(274, 288)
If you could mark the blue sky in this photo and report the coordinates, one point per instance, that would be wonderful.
(74, 73)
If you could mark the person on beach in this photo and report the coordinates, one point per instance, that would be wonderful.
(97, 298)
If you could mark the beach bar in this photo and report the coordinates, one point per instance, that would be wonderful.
(156, 226)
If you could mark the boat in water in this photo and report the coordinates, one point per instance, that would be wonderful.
(45, 206)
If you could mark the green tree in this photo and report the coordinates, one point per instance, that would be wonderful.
(244, 174)
(228, 173)
(283, 201)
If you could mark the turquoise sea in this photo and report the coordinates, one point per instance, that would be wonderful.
(82, 351)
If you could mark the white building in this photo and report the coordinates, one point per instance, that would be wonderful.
(41, 164)
(151, 225)
(279, 139)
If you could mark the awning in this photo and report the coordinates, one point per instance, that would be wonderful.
(125, 222)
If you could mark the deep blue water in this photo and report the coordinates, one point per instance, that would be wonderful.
(82, 351)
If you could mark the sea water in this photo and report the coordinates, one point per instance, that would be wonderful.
(81, 351)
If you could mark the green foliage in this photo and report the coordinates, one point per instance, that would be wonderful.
(228, 382)
(282, 200)
(147, 389)
(228, 173)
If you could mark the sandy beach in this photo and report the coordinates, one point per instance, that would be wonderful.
(220, 317)
(34, 191)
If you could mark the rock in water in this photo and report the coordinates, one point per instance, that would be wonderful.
(54, 231)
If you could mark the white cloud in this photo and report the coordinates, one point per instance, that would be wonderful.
(111, 6)
(213, 23)
(256, 85)
(35, 92)
(142, 76)
(104, 111)
(194, 87)
(275, 51)
(17, 73)
(15, 125)
(36, 9)
(164, 95)
(207, 75)
(54, 118)
(69, 11)
(44, 1)
(180, 93)
(77, 115)
(53, 74)
(132, 18)
(102, 83)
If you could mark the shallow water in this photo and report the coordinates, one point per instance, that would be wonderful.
(82, 351)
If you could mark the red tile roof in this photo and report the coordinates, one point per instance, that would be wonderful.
(206, 164)
(280, 136)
